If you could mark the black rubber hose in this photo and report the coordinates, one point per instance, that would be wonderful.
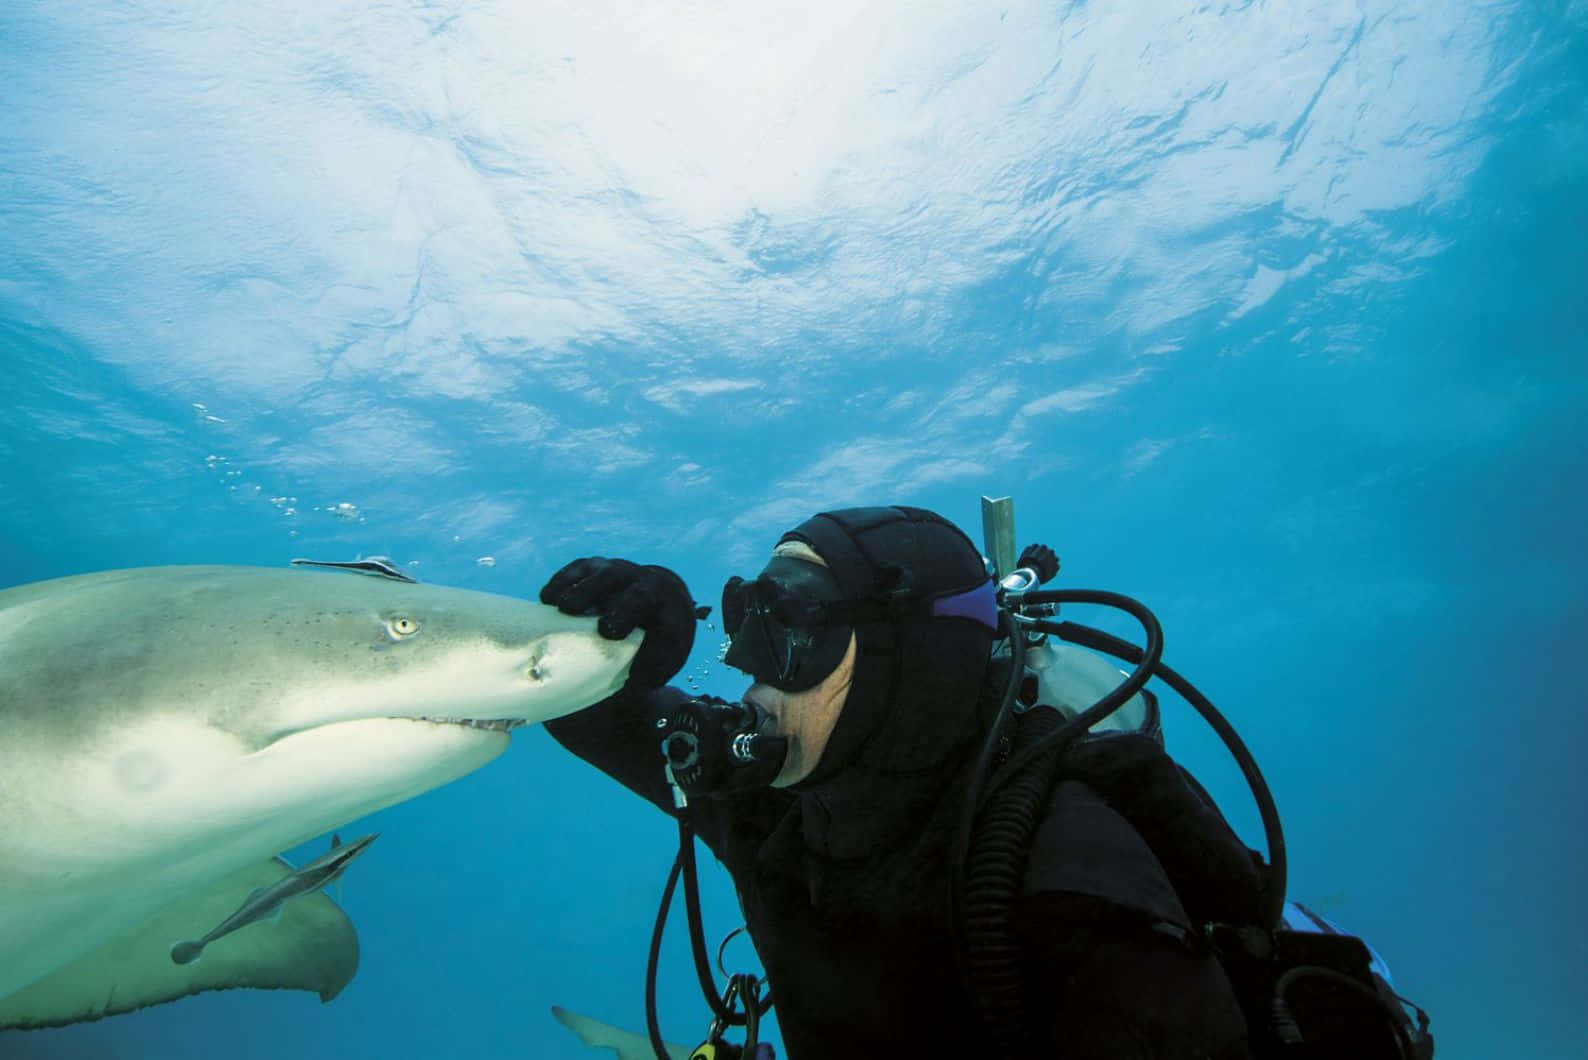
(1078, 725)
(697, 929)
(748, 990)
(683, 865)
(1000, 851)
(652, 1021)
(1273, 833)
(978, 775)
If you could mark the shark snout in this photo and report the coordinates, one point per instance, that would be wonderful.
(569, 671)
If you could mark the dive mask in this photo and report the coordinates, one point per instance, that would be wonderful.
(789, 628)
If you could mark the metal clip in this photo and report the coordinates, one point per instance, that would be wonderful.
(1014, 586)
(680, 800)
(718, 1025)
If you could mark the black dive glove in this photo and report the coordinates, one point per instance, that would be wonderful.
(627, 595)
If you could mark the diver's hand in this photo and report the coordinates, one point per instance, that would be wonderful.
(628, 596)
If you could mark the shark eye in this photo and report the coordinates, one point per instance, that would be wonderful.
(399, 627)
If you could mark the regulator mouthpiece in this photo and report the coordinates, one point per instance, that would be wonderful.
(713, 747)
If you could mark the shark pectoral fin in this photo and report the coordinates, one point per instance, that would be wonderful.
(627, 1044)
(314, 947)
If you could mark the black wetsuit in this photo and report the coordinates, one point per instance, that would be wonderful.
(844, 889)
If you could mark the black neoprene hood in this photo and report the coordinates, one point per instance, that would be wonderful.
(899, 551)
(916, 674)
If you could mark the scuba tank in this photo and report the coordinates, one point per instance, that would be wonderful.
(1069, 679)
(1309, 991)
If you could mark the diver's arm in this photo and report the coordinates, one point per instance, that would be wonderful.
(616, 736)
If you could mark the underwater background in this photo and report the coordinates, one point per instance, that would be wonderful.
(1272, 315)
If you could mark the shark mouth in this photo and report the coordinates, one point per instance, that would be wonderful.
(492, 724)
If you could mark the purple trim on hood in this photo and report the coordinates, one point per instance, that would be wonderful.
(979, 604)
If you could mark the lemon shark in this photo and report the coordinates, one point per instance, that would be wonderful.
(164, 732)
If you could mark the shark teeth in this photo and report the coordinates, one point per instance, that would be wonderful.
(493, 724)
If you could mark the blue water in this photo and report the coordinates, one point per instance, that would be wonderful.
(1272, 315)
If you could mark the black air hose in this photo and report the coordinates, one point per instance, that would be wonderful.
(1000, 850)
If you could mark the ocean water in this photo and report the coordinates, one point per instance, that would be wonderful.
(1272, 315)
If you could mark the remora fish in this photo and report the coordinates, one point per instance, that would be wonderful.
(165, 731)
(265, 901)
(377, 566)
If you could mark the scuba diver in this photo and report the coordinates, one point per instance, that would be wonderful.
(928, 866)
